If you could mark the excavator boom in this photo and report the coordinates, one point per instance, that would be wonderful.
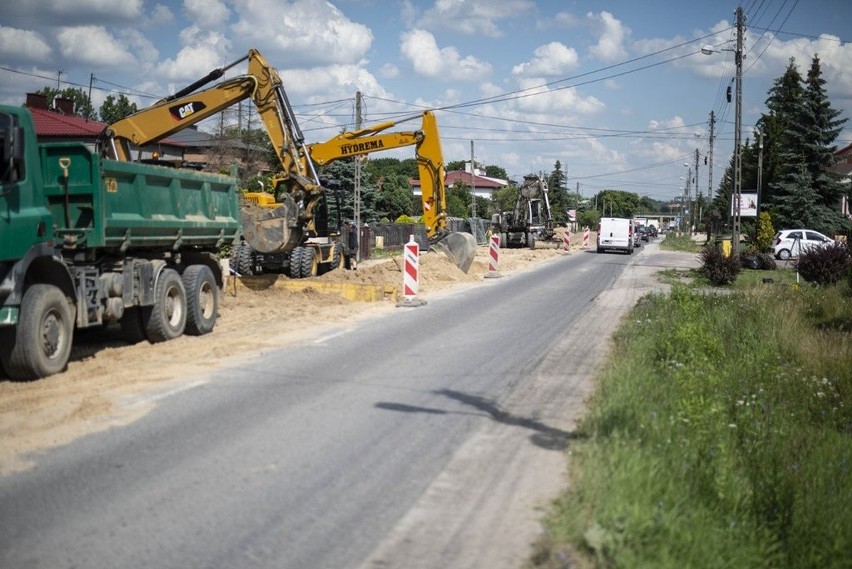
(460, 247)
(268, 231)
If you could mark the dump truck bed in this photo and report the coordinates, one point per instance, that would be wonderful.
(99, 203)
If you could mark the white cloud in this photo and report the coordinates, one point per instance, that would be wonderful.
(470, 17)
(420, 48)
(302, 33)
(551, 59)
(202, 52)
(388, 71)
(560, 101)
(207, 14)
(23, 46)
(611, 37)
(161, 15)
(93, 45)
(70, 12)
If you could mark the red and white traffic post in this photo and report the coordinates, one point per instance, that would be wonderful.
(566, 242)
(410, 274)
(586, 237)
(493, 257)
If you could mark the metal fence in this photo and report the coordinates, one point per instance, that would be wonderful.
(392, 236)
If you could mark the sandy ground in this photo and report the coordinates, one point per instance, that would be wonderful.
(109, 382)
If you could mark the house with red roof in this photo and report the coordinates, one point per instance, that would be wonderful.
(481, 185)
(56, 122)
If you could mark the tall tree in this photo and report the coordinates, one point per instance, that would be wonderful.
(394, 196)
(558, 193)
(819, 145)
(114, 109)
(783, 110)
(82, 103)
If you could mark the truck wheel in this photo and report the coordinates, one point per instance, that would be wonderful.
(40, 344)
(310, 263)
(202, 300)
(166, 320)
(295, 271)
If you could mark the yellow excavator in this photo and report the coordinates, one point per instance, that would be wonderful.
(460, 247)
(295, 224)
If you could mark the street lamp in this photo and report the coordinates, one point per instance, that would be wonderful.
(738, 166)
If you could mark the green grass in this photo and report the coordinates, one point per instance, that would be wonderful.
(719, 437)
(679, 242)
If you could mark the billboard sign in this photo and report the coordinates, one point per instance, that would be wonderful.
(748, 204)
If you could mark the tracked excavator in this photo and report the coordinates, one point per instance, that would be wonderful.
(295, 222)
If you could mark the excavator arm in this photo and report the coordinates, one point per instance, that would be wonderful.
(267, 230)
(460, 247)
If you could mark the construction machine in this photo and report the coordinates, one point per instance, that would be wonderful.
(459, 246)
(291, 225)
(530, 221)
(295, 223)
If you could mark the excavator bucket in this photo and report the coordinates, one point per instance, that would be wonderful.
(460, 247)
(271, 230)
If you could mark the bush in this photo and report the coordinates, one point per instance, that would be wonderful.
(825, 265)
(718, 269)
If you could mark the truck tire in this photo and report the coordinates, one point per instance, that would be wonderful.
(166, 320)
(202, 299)
(310, 263)
(40, 344)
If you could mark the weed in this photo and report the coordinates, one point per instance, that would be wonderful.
(825, 265)
(719, 269)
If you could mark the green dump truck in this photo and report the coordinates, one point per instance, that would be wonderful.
(86, 241)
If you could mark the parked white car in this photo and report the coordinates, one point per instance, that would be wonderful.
(791, 242)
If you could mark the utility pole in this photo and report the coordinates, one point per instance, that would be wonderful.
(577, 210)
(697, 194)
(472, 182)
(710, 168)
(357, 204)
(759, 170)
(738, 164)
(91, 81)
(58, 78)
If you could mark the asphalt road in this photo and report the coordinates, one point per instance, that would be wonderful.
(423, 437)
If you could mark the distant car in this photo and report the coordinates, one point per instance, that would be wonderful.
(644, 233)
(790, 242)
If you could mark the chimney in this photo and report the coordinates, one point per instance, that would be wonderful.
(36, 101)
(63, 105)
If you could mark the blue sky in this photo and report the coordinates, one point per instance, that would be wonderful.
(617, 91)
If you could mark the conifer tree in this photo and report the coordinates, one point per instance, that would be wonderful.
(825, 126)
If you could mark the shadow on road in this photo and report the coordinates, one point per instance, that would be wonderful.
(543, 436)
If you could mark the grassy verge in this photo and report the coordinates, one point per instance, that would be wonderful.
(679, 242)
(720, 436)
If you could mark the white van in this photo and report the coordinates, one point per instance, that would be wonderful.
(615, 233)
